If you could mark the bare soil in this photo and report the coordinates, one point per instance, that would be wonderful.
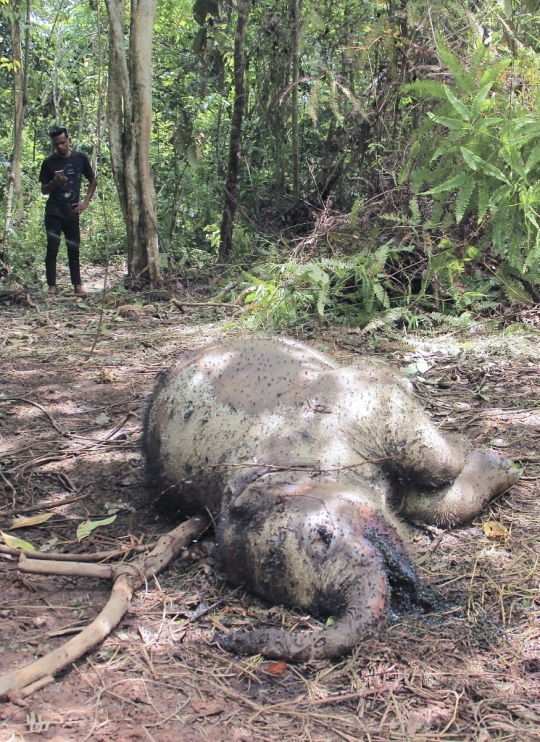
(70, 424)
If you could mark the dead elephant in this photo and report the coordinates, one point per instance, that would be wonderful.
(303, 464)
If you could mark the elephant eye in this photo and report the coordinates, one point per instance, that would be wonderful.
(326, 535)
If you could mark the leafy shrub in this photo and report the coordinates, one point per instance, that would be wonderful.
(477, 156)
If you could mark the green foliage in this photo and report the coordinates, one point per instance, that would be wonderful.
(465, 238)
(347, 290)
(477, 156)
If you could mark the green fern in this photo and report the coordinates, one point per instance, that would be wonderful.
(487, 162)
(512, 286)
(349, 290)
(463, 198)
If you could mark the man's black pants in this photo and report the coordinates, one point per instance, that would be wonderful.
(55, 225)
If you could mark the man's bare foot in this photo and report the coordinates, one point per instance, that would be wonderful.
(79, 291)
(52, 290)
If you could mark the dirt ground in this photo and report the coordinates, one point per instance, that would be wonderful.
(70, 423)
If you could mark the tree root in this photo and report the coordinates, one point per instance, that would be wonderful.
(127, 578)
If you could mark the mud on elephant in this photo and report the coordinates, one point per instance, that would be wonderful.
(304, 466)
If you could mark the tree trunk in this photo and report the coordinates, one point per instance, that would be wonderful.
(14, 200)
(130, 119)
(229, 205)
(295, 17)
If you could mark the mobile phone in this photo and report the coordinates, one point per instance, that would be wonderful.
(57, 172)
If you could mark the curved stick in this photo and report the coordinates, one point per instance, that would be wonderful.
(128, 578)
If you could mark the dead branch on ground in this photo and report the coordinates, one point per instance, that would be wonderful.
(127, 577)
(97, 556)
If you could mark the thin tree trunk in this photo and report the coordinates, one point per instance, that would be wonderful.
(229, 205)
(130, 121)
(19, 105)
(14, 200)
(295, 13)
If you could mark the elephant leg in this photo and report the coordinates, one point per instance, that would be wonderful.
(420, 452)
(484, 476)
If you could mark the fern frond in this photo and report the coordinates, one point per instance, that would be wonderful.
(457, 105)
(450, 185)
(533, 158)
(482, 200)
(415, 212)
(425, 89)
(512, 287)
(463, 198)
(494, 70)
(385, 319)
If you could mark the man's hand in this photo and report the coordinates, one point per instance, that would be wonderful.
(80, 207)
(58, 180)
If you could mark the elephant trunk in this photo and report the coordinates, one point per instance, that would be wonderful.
(358, 622)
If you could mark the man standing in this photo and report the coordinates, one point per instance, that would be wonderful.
(60, 177)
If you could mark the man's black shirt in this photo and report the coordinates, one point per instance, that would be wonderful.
(65, 196)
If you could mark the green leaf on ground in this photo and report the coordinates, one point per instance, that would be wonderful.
(85, 528)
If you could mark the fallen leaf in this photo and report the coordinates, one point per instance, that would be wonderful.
(34, 520)
(499, 442)
(16, 543)
(85, 528)
(418, 367)
(277, 668)
(128, 481)
(106, 376)
(102, 419)
(207, 706)
(423, 558)
(49, 545)
(416, 721)
(492, 529)
(96, 351)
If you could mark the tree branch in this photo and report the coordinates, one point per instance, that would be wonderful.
(128, 578)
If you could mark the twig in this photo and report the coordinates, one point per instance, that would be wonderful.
(46, 505)
(31, 303)
(271, 468)
(10, 486)
(181, 304)
(7, 483)
(98, 556)
(66, 569)
(47, 414)
(64, 457)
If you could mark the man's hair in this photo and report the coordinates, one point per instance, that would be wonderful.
(57, 131)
